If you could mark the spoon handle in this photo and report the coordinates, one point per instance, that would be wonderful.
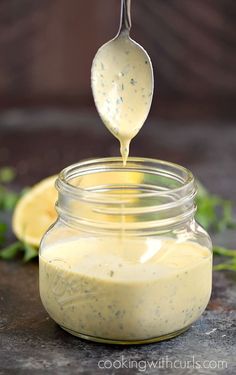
(125, 17)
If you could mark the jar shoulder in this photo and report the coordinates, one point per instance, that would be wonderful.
(194, 232)
(56, 233)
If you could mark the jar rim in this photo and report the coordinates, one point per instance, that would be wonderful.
(88, 166)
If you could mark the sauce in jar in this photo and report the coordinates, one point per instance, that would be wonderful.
(124, 289)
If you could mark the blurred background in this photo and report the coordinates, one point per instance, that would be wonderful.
(47, 116)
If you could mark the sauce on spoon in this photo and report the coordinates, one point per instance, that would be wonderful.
(122, 85)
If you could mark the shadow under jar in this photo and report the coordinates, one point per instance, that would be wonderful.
(125, 262)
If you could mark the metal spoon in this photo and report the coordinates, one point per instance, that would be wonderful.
(122, 83)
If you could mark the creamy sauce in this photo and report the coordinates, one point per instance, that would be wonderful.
(125, 289)
(122, 84)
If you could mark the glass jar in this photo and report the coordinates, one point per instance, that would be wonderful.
(125, 261)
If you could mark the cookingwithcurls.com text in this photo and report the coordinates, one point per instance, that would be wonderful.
(162, 363)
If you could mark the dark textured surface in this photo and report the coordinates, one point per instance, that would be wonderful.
(29, 339)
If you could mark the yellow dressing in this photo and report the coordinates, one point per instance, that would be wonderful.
(125, 289)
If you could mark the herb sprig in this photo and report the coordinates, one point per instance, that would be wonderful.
(230, 264)
(213, 212)
(11, 251)
(216, 214)
(8, 200)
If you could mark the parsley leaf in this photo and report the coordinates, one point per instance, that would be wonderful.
(11, 251)
(213, 212)
(216, 214)
(229, 265)
(29, 252)
(8, 198)
(3, 230)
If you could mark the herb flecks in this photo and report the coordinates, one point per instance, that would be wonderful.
(133, 82)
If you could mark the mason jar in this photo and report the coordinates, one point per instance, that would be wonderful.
(125, 262)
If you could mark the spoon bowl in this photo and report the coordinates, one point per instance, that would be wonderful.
(122, 83)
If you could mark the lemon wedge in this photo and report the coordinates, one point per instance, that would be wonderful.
(35, 212)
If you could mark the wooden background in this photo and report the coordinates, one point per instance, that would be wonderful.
(47, 46)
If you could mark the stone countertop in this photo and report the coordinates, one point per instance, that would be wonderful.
(29, 339)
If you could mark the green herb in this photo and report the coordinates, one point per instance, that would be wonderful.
(13, 250)
(29, 252)
(230, 264)
(3, 230)
(7, 174)
(224, 252)
(8, 198)
(8, 201)
(216, 214)
(213, 212)
(227, 266)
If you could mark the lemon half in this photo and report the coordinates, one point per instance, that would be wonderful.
(35, 212)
